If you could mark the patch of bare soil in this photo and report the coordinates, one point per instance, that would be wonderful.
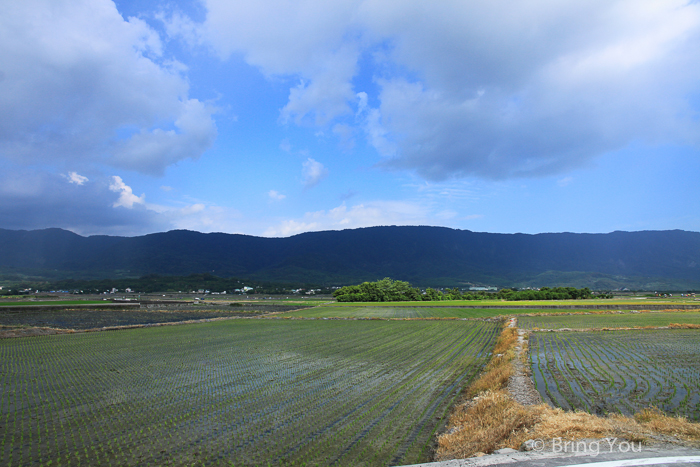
(9, 332)
(520, 385)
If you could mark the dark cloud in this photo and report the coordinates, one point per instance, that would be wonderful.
(36, 200)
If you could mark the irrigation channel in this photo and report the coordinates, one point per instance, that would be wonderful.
(241, 392)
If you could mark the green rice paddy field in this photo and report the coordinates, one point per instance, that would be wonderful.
(607, 320)
(236, 392)
(532, 303)
(403, 312)
(619, 371)
(52, 302)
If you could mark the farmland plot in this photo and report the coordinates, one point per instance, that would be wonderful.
(619, 371)
(608, 320)
(375, 311)
(241, 392)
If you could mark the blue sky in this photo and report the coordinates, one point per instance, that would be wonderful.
(280, 117)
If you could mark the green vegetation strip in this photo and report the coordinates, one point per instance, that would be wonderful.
(620, 371)
(374, 311)
(55, 302)
(530, 303)
(608, 320)
(240, 392)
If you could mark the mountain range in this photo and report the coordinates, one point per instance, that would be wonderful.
(424, 256)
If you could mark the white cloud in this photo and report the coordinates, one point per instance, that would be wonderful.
(151, 151)
(566, 181)
(286, 146)
(306, 39)
(206, 218)
(313, 172)
(83, 85)
(127, 198)
(166, 188)
(492, 89)
(360, 215)
(74, 177)
(275, 196)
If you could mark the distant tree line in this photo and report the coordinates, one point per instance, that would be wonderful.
(388, 290)
(157, 283)
(545, 293)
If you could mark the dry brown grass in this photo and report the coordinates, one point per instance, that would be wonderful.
(684, 326)
(657, 421)
(524, 353)
(493, 379)
(506, 341)
(499, 369)
(484, 425)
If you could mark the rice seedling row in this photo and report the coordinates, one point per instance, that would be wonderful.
(94, 318)
(241, 392)
(621, 371)
(608, 320)
(393, 312)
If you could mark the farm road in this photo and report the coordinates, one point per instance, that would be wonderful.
(520, 385)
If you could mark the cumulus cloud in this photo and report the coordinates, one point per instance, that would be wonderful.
(275, 196)
(360, 215)
(489, 89)
(313, 172)
(127, 198)
(307, 40)
(83, 85)
(74, 177)
(205, 218)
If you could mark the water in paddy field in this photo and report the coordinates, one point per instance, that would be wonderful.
(620, 371)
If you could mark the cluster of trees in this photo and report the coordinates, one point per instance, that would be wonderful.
(545, 293)
(385, 290)
(388, 290)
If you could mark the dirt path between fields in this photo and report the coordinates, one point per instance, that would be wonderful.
(520, 384)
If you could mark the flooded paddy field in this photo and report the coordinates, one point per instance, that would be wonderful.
(608, 320)
(85, 318)
(241, 392)
(619, 371)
